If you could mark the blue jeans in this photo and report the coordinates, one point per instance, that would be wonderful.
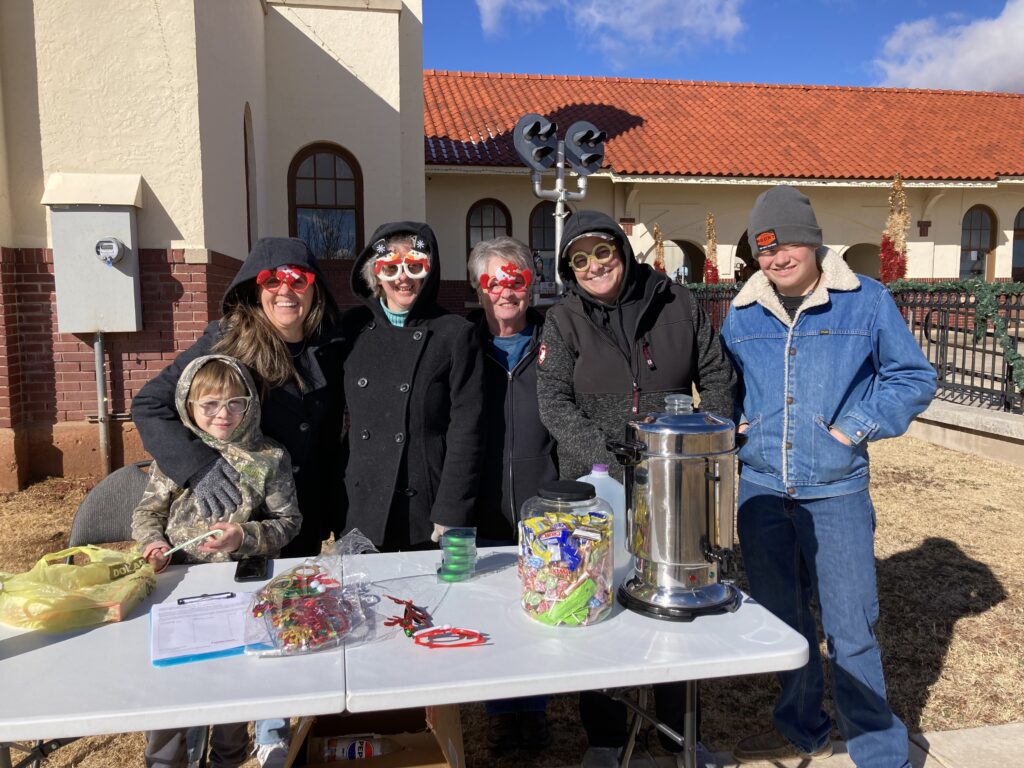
(271, 731)
(794, 550)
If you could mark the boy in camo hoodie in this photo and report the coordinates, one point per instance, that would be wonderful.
(217, 399)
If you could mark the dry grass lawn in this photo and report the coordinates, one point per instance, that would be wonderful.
(951, 582)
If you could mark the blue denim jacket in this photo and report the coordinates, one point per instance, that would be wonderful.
(846, 360)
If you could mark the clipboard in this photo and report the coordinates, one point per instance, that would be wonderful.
(197, 628)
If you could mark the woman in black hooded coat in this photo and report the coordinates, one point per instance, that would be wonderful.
(414, 387)
(302, 408)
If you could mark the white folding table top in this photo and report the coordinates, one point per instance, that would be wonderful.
(526, 658)
(101, 680)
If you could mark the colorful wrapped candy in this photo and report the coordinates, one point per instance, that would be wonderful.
(565, 566)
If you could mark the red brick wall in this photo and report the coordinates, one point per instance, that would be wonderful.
(47, 378)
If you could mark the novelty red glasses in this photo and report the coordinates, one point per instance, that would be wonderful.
(507, 276)
(296, 278)
(392, 266)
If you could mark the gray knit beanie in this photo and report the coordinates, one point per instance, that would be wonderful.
(780, 216)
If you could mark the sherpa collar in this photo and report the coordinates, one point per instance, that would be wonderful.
(835, 276)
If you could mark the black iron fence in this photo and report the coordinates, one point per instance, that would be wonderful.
(970, 337)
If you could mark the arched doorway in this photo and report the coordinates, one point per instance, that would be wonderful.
(691, 266)
(744, 265)
(977, 243)
(864, 259)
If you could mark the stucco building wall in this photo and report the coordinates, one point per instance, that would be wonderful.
(339, 75)
(848, 215)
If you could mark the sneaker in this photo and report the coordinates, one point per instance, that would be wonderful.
(534, 732)
(272, 755)
(774, 746)
(502, 733)
(600, 757)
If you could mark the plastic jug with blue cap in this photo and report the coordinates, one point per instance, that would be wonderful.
(613, 492)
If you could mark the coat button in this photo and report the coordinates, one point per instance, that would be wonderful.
(304, 427)
(418, 335)
(399, 437)
(295, 470)
(371, 325)
(792, 351)
(789, 446)
(403, 387)
(410, 492)
(365, 434)
(789, 401)
(362, 382)
(860, 433)
(791, 490)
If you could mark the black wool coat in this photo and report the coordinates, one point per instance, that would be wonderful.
(415, 399)
(308, 423)
(519, 452)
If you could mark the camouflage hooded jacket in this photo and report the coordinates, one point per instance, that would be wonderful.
(268, 514)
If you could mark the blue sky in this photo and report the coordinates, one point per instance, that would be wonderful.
(969, 44)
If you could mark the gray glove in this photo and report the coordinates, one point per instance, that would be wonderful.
(215, 488)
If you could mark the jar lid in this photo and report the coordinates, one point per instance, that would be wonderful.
(566, 490)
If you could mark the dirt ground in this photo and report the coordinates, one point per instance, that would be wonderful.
(950, 559)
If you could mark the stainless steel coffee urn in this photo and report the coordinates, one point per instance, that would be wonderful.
(680, 471)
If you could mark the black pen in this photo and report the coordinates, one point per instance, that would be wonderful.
(199, 598)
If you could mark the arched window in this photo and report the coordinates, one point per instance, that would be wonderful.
(542, 244)
(1017, 270)
(325, 201)
(977, 241)
(252, 224)
(486, 220)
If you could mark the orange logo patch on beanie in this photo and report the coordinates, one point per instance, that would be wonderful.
(766, 240)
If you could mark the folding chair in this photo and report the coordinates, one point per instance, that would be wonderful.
(105, 514)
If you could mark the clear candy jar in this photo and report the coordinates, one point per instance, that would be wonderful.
(565, 555)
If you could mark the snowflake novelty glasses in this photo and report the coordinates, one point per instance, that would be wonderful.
(602, 254)
(509, 276)
(209, 407)
(296, 278)
(392, 266)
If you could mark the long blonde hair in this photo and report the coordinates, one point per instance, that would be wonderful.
(250, 337)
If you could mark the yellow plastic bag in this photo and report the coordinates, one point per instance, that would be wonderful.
(56, 597)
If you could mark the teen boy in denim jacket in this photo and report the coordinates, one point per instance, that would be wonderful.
(826, 364)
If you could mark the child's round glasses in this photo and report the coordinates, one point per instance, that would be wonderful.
(295, 278)
(236, 406)
(391, 267)
(602, 254)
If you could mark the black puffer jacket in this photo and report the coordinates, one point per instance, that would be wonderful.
(519, 452)
(307, 423)
(415, 399)
(601, 364)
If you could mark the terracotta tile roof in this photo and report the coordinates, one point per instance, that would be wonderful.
(719, 129)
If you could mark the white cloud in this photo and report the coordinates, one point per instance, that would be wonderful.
(624, 30)
(491, 12)
(982, 55)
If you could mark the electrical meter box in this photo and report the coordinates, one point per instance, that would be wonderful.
(95, 251)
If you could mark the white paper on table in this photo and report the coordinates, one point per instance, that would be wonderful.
(199, 629)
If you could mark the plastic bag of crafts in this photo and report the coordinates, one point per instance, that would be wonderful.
(566, 568)
(312, 606)
(56, 596)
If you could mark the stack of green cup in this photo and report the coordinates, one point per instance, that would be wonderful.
(458, 554)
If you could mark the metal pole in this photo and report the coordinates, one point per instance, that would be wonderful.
(101, 404)
(559, 209)
(690, 725)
